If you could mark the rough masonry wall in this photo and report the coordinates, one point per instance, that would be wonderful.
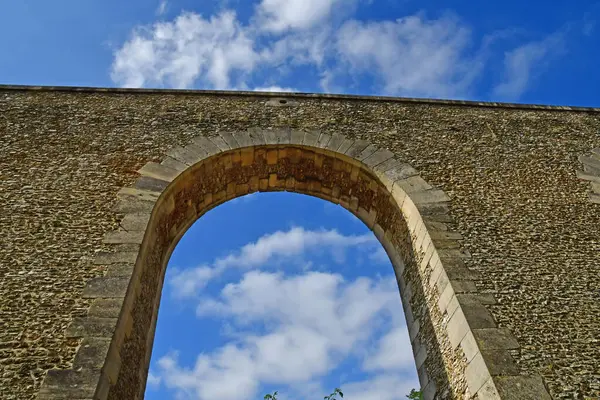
(511, 173)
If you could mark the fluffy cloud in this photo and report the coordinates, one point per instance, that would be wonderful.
(281, 245)
(281, 15)
(521, 62)
(180, 52)
(312, 322)
(410, 56)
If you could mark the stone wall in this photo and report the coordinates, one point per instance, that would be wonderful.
(510, 172)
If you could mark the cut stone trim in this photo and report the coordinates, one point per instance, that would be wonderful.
(591, 173)
(408, 215)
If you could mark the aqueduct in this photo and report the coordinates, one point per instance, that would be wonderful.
(484, 209)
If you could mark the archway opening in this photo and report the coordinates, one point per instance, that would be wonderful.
(280, 291)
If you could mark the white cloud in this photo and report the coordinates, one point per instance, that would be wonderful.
(312, 322)
(523, 63)
(153, 380)
(280, 245)
(274, 88)
(281, 15)
(391, 353)
(178, 53)
(162, 8)
(411, 55)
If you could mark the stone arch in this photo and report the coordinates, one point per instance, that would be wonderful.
(457, 345)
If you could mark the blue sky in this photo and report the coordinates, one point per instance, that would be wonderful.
(280, 291)
(514, 50)
(304, 300)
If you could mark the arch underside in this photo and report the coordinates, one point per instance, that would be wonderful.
(459, 351)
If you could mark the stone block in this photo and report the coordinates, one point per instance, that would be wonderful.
(423, 376)
(401, 173)
(105, 258)
(429, 250)
(174, 164)
(445, 298)
(188, 155)
(587, 177)
(106, 308)
(476, 373)
(495, 338)
(429, 196)
(151, 184)
(500, 362)
(398, 194)
(488, 391)
(135, 222)
(69, 384)
(421, 356)
(463, 286)
(209, 147)
(368, 218)
(92, 327)
(323, 140)
(124, 237)
(131, 204)
(106, 286)
(457, 327)
(413, 183)
(345, 145)
(475, 313)
(138, 194)
(310, 139)
(356, 148)
(413, 330)
(521, 388)
(283, 135)
(229, 139)
(159, 171)
(378, 157)
(590, 161)
(469, 346)
(92, 353)
(370, 149)
(220, 143)
(297, 136)
(445, 235)
(429, 391)
(243, 139)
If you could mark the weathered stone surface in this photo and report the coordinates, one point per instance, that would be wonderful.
(159, 171)
(524, 216)
(106, 308)
(92, 353)
(106, 286)
(92, 327)
(122, 236)
(521, 388)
